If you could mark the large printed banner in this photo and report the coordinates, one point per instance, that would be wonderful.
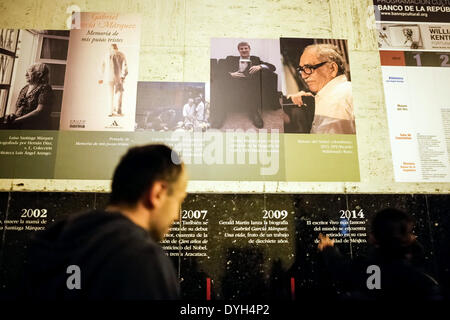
(102, 68)
(415, 56)
(274, 109)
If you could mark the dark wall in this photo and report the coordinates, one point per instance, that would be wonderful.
(231, 256)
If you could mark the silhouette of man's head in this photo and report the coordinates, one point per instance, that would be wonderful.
(392, 231)
(154, 177)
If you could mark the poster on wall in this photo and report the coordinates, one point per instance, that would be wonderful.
(256, 87)
(274, 110)
(318, 110)
(415, 52)
(102, 68)
(32, 71)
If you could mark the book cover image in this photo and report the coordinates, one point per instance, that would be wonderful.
(102, 73)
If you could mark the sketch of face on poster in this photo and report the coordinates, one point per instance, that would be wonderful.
(399, 36)
(409, 41)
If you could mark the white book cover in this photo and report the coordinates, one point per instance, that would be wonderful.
(102, 73)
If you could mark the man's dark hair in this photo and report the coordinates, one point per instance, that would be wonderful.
(392, 230)
(139, 168)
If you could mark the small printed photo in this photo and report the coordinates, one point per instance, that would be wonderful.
(171, 106)
(399, 36)
(245, 84)
(317, 91)
(32, 70)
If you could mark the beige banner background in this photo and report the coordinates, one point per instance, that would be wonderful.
(175, 47)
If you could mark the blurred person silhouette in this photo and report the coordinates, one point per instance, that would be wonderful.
(199, 109)
(114, 69)
(116, 250)
(189, 113)
(395, 250)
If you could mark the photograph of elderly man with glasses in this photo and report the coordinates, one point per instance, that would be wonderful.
(321, 72)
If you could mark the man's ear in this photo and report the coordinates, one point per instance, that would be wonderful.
(334, 69)
(372, 240)
(156, 194)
